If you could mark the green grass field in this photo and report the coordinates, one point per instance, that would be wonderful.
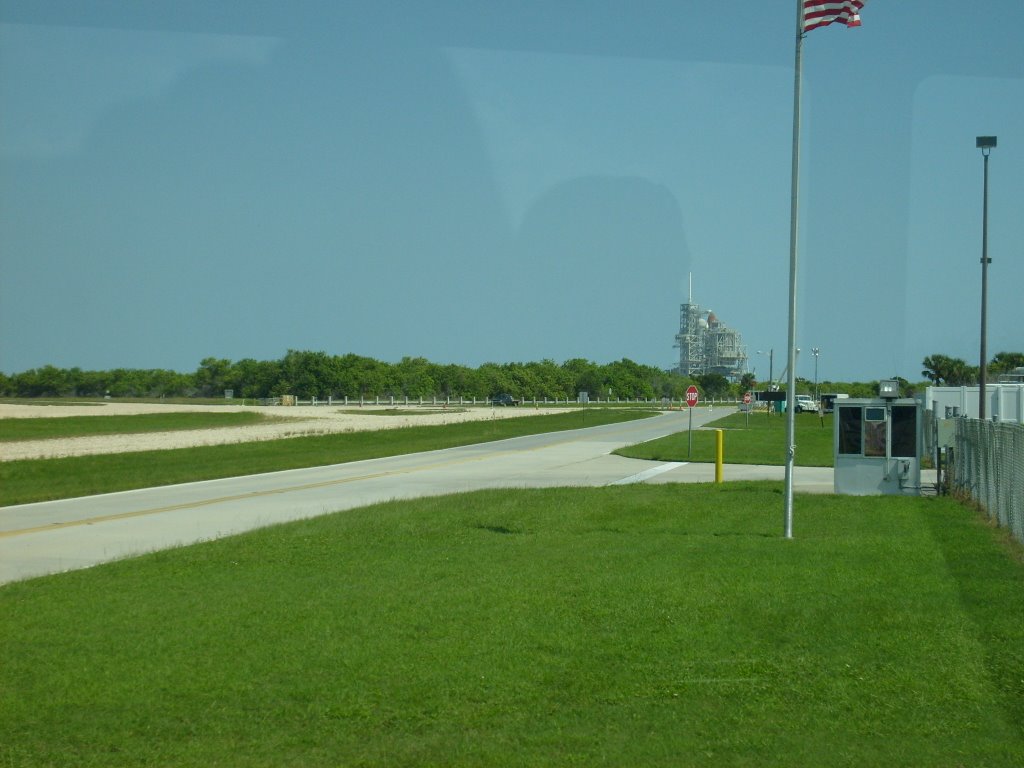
(88, 426)
(645, 625)
(102, 401)
(759, 439)
(41, 480)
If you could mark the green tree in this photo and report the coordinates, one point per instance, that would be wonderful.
(94, 383)
(161, 382)
(497, 379)
(950, 371)
(628, 379)
(251, 378)
(47, 381)
(308, 374)
(458, 381)
(416, 377)
(212, 376)
(368, 378)
(1006, 362)
(550, 379)
(584, 377)
(713, 384)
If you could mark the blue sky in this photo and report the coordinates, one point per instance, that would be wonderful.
(502, 181)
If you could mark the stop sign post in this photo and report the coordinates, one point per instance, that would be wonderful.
(691, 396)
(691, 402)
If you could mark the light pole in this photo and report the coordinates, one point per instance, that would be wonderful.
(985, 144)
(771, 365)
(815, 351)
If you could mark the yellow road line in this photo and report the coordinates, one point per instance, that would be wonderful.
(216, 500)
(268, 492)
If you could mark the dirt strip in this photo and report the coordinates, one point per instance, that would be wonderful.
(289, 422)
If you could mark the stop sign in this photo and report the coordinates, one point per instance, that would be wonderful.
(691, 396)
(746, 398)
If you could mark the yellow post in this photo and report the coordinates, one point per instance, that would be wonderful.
(719, 451)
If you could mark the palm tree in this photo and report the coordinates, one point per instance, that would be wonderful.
(951, 371)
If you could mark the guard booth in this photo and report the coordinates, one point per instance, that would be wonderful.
(776, 399)
(878, 444)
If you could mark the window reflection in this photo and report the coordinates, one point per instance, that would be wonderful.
(849, 430)
(904, 430)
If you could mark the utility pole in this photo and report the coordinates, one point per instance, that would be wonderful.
(815, 351)
(985, 144)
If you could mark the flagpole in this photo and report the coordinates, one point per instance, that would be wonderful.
(794, 207)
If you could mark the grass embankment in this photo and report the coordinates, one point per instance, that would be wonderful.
(92, 426)
(44, 479)
(648, 625)
(761, 439)
(102, 401)
(401, 411)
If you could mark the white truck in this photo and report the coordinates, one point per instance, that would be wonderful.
(805, 403)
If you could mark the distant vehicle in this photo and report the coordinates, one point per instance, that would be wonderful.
(805, 403)
(828, 401)
(504, 399)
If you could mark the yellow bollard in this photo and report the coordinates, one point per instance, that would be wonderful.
(719, 451)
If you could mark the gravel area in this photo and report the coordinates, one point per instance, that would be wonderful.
(296, 421)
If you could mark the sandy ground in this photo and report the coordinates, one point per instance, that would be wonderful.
(294, 422)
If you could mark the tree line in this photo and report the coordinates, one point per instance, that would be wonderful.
(954, 372)
(308, 374)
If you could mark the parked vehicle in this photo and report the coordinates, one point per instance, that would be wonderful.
(805, 403)
(504, 399)
(828, 401)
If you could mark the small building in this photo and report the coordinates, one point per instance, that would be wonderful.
(1016, 376)
(1003, 402)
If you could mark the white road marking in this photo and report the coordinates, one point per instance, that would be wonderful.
(649, 473)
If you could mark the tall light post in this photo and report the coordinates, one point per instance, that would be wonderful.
(985, 144)
(771, 365)
(815, 351)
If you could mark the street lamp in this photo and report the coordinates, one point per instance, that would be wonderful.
(815, 351)
(985, 144)
(771, 365)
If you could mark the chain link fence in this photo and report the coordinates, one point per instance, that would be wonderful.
(988, 465)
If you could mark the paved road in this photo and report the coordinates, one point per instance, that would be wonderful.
(49, 537)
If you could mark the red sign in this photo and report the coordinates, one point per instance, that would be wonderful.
(691, 396)
(746, 398)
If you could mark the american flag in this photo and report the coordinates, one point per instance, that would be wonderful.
(817, 14)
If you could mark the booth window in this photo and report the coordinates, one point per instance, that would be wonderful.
(904, 430)
(850, 430)
(874, 431)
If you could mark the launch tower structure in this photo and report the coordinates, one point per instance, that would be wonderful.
(706, 345)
